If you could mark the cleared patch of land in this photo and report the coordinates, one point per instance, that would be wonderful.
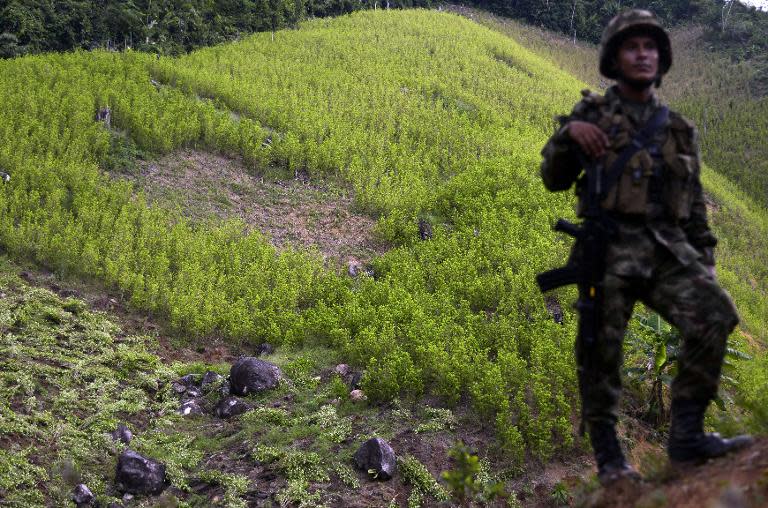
(293, 212)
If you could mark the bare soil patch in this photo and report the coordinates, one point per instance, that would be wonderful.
(293, 212)
(738, 480)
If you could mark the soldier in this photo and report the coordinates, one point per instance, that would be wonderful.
(659, 249)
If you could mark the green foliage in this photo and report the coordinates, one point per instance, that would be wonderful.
(437, 419)
(465, 482)
(234, 486)
(61, 382)
(414, 473)
(18, 478)
(658, 345)
(155, 27)
(560, 495)
(438, 117)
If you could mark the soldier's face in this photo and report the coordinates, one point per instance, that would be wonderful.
(637, 59)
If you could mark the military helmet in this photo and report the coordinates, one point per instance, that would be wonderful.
(626, 24)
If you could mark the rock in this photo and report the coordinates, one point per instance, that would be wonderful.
(194, 391)
(425, 230)
(210, 379)
(264, 349)
(354, 379)
(191, 407)
(104, 115)
(122, 433)
(554, 308)
(139, 475)
(82, 496)
(357, 395)
(356, 269)
(178, 388)
(231, 406)
(116, 505)
(188, 380)
(226, 388)
(342, 369)
(250, 375)
(377, 457)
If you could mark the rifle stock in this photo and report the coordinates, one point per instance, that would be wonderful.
(558, 277)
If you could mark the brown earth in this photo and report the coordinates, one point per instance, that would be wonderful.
(736, 481)
(293, 212)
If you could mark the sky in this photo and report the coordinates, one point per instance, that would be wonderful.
(762, 4)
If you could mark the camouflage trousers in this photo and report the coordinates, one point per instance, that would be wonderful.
(687, 297)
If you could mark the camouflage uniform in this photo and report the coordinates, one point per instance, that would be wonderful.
(659, 254)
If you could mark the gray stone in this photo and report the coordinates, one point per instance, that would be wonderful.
(264, 349)
(82, 496)
(189, 380)
(251, 375)
(179, 388)
(376, 457)
(231, 406)
(226, 388)
(122, 433)
(137, 474)
(191, 407)
(354, 379)
(193, 392)
(210, 379)
(425, 230)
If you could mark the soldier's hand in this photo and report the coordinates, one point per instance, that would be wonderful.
(590, 138)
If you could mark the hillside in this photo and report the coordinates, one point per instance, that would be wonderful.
(424, 123)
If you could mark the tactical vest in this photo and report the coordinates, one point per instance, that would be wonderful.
(657, 181)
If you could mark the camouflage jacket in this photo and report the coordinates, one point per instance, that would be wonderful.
(658, 198)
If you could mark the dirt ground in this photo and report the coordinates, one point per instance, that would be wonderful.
(736, 481)
(292, 212)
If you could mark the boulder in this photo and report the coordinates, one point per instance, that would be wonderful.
(231, 406)
(82, 496)
(342, 369)
(554, 309)
(226, 388)
(137, 474)
(376, 457)
(251, 375)
(122, 433)
(357, 395)
(191, 407)
(353, 379)
(189, 380)
(210, 379)
(178, 388)
(193, 391)
(264, 349)
(425, 230)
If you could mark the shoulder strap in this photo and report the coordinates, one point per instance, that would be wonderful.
(640, 141)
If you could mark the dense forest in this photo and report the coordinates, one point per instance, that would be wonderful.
(162, 26)
(178, 26)
(731, 27)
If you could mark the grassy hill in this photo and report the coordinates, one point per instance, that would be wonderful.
(418, 116)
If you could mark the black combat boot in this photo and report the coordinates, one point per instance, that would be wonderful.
(611, 464)
(688, 443)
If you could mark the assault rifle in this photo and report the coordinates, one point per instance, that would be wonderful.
(593, 234)
(592, 238)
